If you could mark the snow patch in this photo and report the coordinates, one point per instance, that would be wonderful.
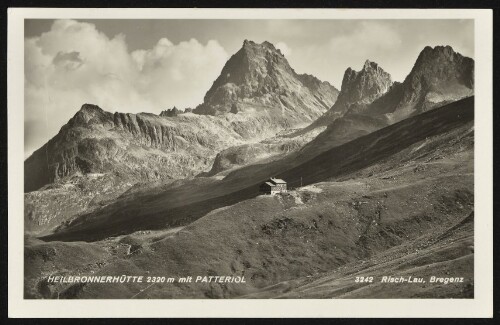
(311, 188)
(419, 147)
(95, 175)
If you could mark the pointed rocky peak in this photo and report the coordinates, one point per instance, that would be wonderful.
(268, 45)
(256, 54)
(370, 65)
(359, 89)
(441, 64)
(89, 113)
(439, 75)
(248, 45)
(250, 64)
(90, 108)
(430, 53)
(259, 75)
(364, 85)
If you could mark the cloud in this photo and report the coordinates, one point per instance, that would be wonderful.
(369, 38)
(69, 60)
(349, 44)
(169, 73)
(74, 63)
(284, 48)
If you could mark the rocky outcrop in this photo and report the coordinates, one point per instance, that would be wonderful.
(135, 147)
(359, 89)
(262, 152)
(171, 112)
(259, 77)
(440, 75)
(369, 100)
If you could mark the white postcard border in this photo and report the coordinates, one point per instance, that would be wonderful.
(480, 306)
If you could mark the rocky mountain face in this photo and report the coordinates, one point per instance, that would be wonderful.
(440, 75)
(350, 117)
(131, 146)
(256, 96)
(259, 77)
(370, 192)
(359, 89)
(227, 132)
(98, 156)
(263, 152)
(177, 205)
(344, 119)
(141, 147)
(369, 100)
(406, 188)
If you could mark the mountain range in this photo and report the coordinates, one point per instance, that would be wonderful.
(439, 76)
(257, 85)
(147, 183)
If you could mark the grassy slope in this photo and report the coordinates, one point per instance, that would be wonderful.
(442, 253)
(404, 200)
(184, 204)
(274, 239)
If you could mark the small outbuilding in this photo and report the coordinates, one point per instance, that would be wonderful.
(273, 186)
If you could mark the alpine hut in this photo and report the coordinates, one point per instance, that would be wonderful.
(273, 186)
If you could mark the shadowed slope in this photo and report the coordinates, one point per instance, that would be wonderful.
(188, 202)
(375, 218)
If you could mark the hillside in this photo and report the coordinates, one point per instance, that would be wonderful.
(380, 178)
(263, 152)
(396, 199)
(446, 252)
(180, 205)
(368, 101)
(97, 156)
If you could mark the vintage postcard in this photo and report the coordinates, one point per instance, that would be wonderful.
(250, 163)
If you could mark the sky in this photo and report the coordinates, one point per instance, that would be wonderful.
(136, 66)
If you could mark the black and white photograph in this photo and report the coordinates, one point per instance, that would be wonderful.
(233, 158)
